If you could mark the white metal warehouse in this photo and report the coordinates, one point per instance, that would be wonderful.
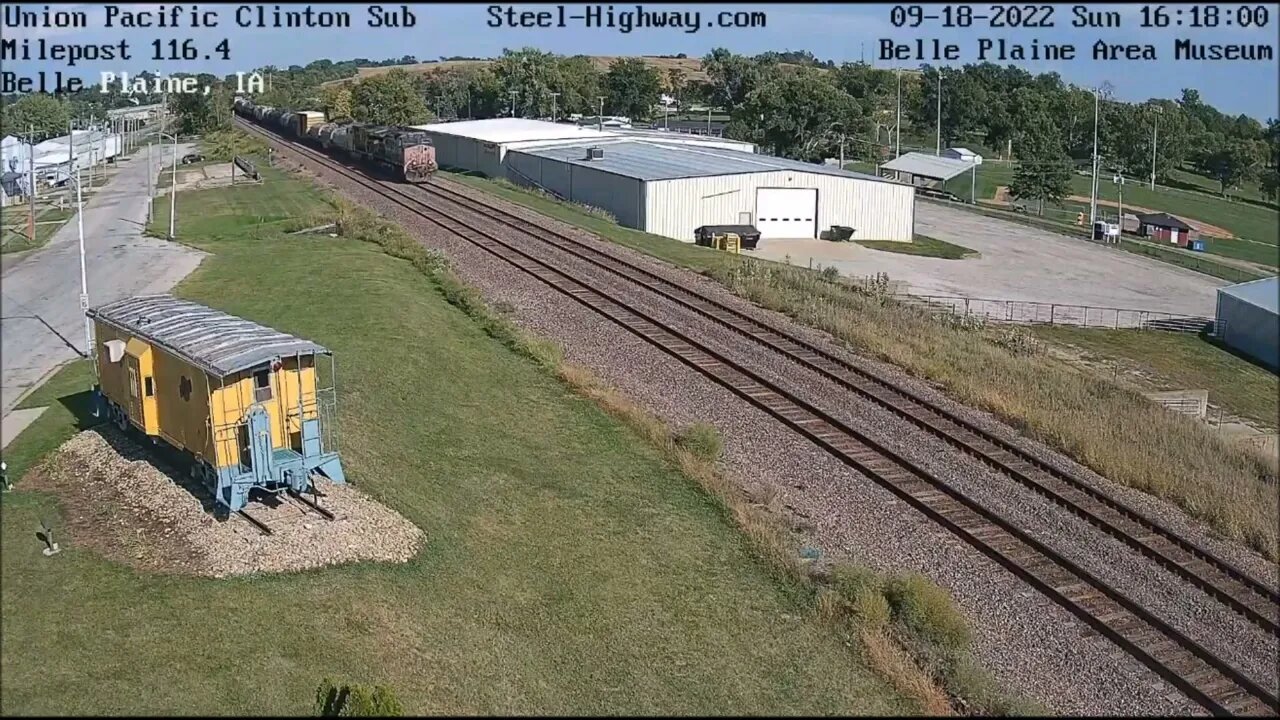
(1248, 322)
(482, 145)
(672, 190)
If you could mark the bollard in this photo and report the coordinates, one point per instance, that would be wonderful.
(46, 534)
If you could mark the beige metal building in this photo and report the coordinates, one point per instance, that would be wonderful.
(672, 190)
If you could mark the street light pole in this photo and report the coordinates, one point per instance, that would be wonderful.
(938, 151)
(897, 152)
(173, 186)
(600, 115)
(513, 94)
(553, 106)
(151, 167)
(1093, 194)
(1154, 132)
(84, 275)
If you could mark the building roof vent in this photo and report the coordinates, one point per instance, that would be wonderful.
(595, 153)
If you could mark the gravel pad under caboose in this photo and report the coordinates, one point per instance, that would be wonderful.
(118, 502)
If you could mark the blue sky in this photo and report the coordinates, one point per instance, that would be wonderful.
(838, 32)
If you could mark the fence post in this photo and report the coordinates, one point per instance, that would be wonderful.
(1086, 316)
(1052, 311)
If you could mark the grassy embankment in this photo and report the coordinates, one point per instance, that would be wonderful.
(571, 567)
(1104, 425)
(922, 245)
(1178, 361)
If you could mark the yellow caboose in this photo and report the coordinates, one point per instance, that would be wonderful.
(243, 400)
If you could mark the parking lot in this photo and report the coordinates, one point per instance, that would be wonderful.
(1017, 263)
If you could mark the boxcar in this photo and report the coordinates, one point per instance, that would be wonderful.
(306, 121)
(244, 402)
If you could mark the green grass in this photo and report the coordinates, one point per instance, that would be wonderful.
(1199, 263)
(1248, 192)
(922, 245)
(685, 254)
(1166, 455)
(14, 238)
(1180, 361)
(569, 568)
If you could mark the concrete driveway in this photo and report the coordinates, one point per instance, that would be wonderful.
(41, 325)
(1018, 263)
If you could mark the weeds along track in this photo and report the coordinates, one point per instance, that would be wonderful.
(1194, 670)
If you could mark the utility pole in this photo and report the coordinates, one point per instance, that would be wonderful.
(1120, 203)
(513, 94)
(71, 148)
(708, 121)
(897, 153)
(553, 106)
(600, 115)
(31, 178)
(151, 167)
(1154, 132)
(173, 187)
(1093, 195)
(938, 151)
(84, 275)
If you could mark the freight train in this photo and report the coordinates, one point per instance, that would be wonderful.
(405, 152)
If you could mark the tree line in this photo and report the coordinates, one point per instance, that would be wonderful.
(789, 103)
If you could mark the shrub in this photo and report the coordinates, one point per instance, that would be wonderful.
(701, 439)
(356, 701)
(927, 612)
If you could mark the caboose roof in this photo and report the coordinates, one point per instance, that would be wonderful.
(209, 339)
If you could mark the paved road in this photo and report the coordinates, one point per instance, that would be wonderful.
(41, 326)
(1018, 263)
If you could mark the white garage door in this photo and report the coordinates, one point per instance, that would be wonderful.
(787, 212)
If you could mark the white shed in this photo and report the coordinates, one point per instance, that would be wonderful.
(962, 154)
(672, 190)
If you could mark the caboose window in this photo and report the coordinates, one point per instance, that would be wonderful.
(262, 385)
(149, 389)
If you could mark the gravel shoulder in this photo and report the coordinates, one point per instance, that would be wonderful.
(1033, 646)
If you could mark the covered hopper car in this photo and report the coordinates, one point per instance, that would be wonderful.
(246, 403)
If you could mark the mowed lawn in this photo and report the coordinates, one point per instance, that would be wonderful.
(568, 568)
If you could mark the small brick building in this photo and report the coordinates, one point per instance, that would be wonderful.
(1163, 227)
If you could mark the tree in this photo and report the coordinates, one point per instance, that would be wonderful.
(731, 78)
(963, 100)
(1043, 172)
(1271, 183)
(581, 85)
(336, 101)
(390, 99)
(1232, 163)
(43, 113)
(676, 82)
(533, 75)
(199, 113)
(633, 87)
(795, 114)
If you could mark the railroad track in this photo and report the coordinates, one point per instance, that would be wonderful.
(1216, 576)
(1188, 666)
